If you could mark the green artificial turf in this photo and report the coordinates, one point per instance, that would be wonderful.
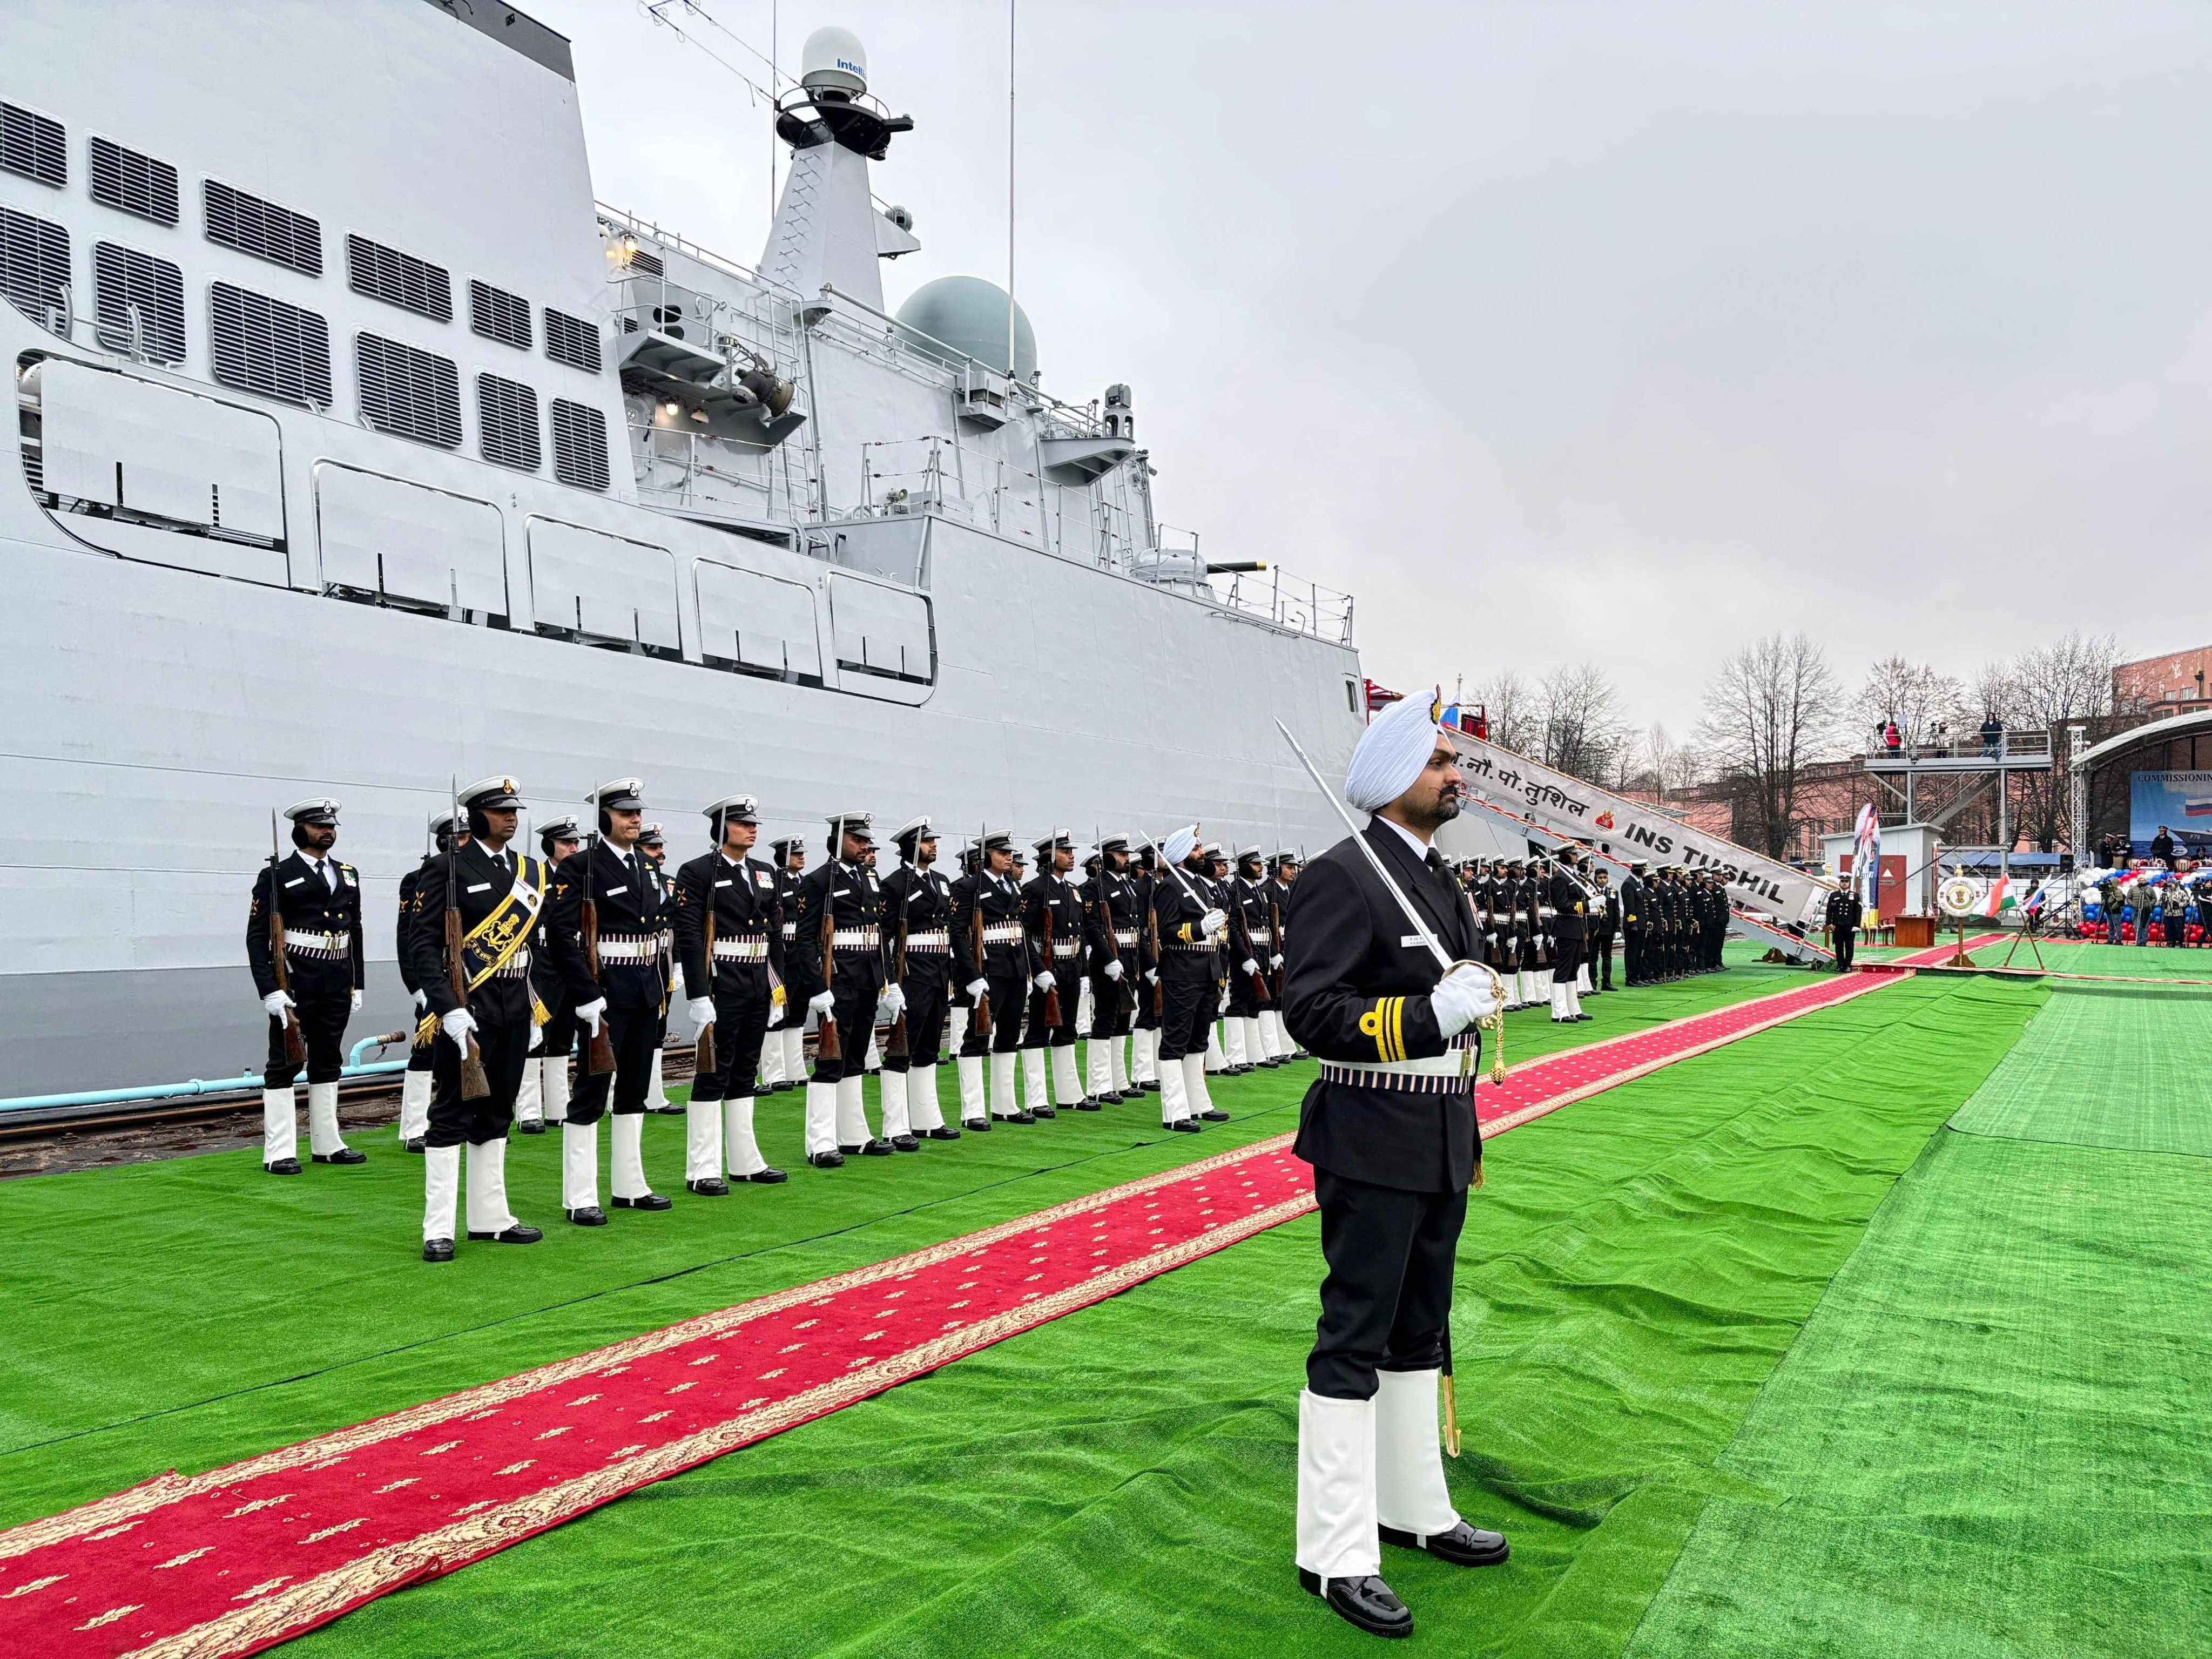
(2084, 956)
(1120, 1482)
(1994, 1440)
(187, 1313)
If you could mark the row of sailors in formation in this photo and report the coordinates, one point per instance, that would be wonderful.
(516, 960)
(1549, 925)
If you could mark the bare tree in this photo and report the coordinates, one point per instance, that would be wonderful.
(1914, 695)
(1509, 703)
(1580, 728)
(1654, 762)
(2052, 686)
(1771, 710)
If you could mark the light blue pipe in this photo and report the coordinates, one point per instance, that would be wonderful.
(250, 1081)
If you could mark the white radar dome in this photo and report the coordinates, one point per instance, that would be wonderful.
(834, 60)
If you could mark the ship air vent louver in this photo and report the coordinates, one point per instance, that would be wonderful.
(264, 230)
(123, 278)
(642, 264)
(33, 146)
(498, 315)
(35, 262)
(506, 422)
(400, 279)
(410, 393)
(571, 340)
(260, 344)
(135, 184)
(579, 444)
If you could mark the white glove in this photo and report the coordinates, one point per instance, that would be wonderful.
(458, 1024)
(1221, 1004)
(276, 1002)
(702, 1010)
(422, 1002)
(1152, 975)
(976, 988)
(1212, 923)
(1276, 960)
(591, 1012)
(1113, 969)
(1251, 966)
(1461, 998)
(357, 1002)
(775, 1015)
(822, 1002)
(892, 1004)
(1044, 981)
(536, 1037)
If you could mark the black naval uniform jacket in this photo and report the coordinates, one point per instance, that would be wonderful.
(1356, 984)
(506, 1000)
(746, 912)
(632, 911)
(1048, 895)
(1843, 911)
(410, 885)
(1114, 908)
(1178, 909)
(923, 899)
(1000, 902)
(311, 907)
(855, 900)
(1571, 898)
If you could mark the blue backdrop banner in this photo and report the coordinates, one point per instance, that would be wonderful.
(2180, 803)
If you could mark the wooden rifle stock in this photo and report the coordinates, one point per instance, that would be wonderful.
(1051, 997)
(475, 1086)
(894, 1044)
(826, 1046)
(295, 1045)
(702, 1053)
(980, 1020)
(600, 1050)
(1125, 994)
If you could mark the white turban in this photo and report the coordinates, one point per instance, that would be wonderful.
(1177, 846)
(1392, 751)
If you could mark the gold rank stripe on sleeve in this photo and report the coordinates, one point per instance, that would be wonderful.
(1386, 1023)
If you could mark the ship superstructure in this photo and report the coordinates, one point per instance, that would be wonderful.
(361, 447)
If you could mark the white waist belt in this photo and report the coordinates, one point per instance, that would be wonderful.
(319, 945)
(856, 938)
(1262, 935)
(791, 930)
(1126, 937)
(1002, 933)
(741, 950)
(1449, 1071)
(630, 947)
(1064, 948)
(516, 967)
(935, 941)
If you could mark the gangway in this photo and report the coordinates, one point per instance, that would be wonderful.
(1769, 901)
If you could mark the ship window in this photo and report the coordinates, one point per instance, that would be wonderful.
(260, 344)
(579, 444)
(400, 279)
(33, 146)
(498, 315)
(883, 634)
(506, 422)
(124, 179)
(571, 340)
(409, 393)
(605, 590)
(35, 262)
(757, 625)
(264, 230)
(123, 278)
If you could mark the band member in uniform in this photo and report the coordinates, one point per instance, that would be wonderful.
(918, 897)
(783, 1052)
(848, 990)
(1145, 1018)
(1389, 1129)
(1251, 941)
(545, 1088)
(623, 989)
(992, 948)
(500, 894)
(1052, 914)
(1112, 931)
(1568, 900)
(415, 1084)
(1604, 923)
(1191, 928)
(739, 992)
(316, 901)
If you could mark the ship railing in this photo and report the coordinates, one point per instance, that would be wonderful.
(640, 229)
(1284, 601)
(938, 471)
(707, 471)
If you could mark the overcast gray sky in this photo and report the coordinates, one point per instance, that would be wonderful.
(1561, 332)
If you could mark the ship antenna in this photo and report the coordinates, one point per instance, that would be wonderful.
(1009, 194)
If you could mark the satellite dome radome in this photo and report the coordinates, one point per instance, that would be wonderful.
(969, 315)
(833, 60)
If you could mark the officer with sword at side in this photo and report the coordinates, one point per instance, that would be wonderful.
(1380, 981)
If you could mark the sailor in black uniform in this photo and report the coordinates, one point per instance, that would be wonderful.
(545, 1087)
(917, 899)
(652, 847)
(736, 993)
(500, 894)
(1111, 922)
(317, 899)
(1052, 915)
(1568, 901)
(848, 990)
(1145, 1018)
(1841, 918)
(1191, 927)
(1635, 913)
(1282, 874)
(783, 1051)
(992, 949)
(415, 1083)
(1251, 942)
(622, 990)
(1605, 924)
(1389, 1128)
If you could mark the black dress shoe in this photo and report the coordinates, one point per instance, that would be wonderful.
(771, 1177)
(1111, 1098)
(1036, 1112)
(588, 1215)
(712, 1187)
(414, 1145)
(1366, 1602)
(1185, 1126)
(1016, 1117)
(650, 1201)
(906, 1143)
(826, 1160)
(943, 1132)
(669, 1110)
(877, 1148)
(1463, 1545)
(980, 1125)
(290, 1166)
(1213, 1114)
(343, 1155)
(534, 1125)
(1580, 1018)
(1090, 1104)
(518, 1234)
(437, 1249)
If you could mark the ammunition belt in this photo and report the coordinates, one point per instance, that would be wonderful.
(790, 931)
(1447, 1073)
(856, 938)
(1126, 937)
(1002, 933)
(630, 947)
(1262, 935)
(324, 947)
(1204, 947)
(741, 950)
(930, 941)
(1062, 949)
(515, 967)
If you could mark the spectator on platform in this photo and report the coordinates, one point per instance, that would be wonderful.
(2161, 846)
(1892, 739)
(1992, 735)
(2114, 897)
(2108, 853)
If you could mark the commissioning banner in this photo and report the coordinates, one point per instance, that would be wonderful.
(2180, 801)
(1568, 806)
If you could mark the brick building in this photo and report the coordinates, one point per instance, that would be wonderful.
(2156, 687)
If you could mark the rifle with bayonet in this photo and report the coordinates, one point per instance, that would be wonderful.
(1052, 996)
(296, 1044)
(1125, 994)
(980, 1020)
(894, 1044)
(600, 1047)
(826, 1046)
(703, 1052)
(475, 1086)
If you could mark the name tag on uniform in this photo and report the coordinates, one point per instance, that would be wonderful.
(612, 891)
(479, 887)
(295, 881)
(724, 882)
(1411, 941)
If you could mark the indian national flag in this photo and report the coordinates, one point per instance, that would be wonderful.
(2000, 898)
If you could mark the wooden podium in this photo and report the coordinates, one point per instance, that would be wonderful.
(1915, 932)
